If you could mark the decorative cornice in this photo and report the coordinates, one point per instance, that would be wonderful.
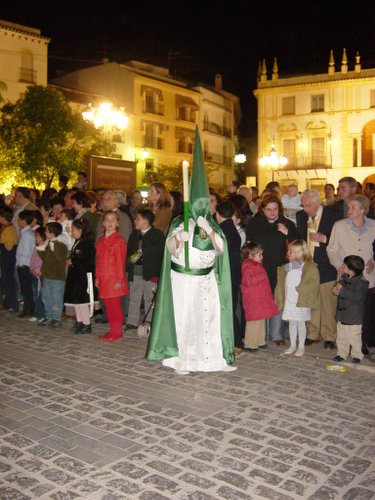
(32, 34)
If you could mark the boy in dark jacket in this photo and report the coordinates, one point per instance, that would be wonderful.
(351, 291)
(224, 214)
(145, 254)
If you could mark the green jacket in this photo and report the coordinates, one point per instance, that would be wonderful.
(54, 261)
(308, 289)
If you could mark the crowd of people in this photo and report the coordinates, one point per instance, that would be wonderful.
(295, 260)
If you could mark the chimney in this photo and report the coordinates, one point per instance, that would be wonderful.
(218, 81)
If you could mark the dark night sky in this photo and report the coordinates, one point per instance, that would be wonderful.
(199, 39)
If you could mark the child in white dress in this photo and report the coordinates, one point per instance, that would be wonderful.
(297, 292)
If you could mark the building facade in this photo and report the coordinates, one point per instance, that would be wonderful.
(24, 59)
(324, 124)
(162, 115)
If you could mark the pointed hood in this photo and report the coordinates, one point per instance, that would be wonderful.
(199, 194)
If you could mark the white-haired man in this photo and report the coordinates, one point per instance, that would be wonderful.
(315, 224)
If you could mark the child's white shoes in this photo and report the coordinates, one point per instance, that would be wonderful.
(299, 353)
(289, 351)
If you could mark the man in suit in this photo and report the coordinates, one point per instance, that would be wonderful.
(347, 187)
(315, 224)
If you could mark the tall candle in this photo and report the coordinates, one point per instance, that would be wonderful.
(185, 179)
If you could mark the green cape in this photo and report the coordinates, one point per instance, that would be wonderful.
(162, 342)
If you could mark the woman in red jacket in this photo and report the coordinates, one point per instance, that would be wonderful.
(110, 273)
(257, 298)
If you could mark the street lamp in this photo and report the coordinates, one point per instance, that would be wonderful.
(273, 161)
(240, 160)
(106, 116)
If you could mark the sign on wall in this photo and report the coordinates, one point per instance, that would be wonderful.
(111, 173)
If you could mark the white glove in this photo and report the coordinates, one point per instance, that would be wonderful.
(182, 236)
(203, 223)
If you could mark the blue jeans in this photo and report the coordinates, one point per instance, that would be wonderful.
(53, 298)
(38, 301)
(275, 328)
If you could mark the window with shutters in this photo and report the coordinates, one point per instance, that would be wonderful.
(317, 151)
(317, 103)
(288, 105)
(289, 150)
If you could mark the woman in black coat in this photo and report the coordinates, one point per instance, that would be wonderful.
(273, 231)
(80, 263)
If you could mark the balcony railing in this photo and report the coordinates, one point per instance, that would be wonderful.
(185, 148)
(322, 160)
(27, 75)
(217, 129)
(215, 158)
(153, 143)
(155, 109)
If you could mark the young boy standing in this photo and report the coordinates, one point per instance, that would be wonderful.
(351, 291)
(224, 216)
(53, 272)
(145, 250)
(24, 252)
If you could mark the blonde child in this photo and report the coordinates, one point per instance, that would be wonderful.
(297, 292)
(66, 221)
(257, 299)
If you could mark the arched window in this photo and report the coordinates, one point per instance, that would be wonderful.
(368, 144)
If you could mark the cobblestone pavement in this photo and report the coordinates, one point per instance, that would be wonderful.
(79, 419)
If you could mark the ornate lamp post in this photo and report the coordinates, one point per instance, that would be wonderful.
(273, 161)
(240, 160)
(106, 116)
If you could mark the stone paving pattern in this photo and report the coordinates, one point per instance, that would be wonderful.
(81, 419)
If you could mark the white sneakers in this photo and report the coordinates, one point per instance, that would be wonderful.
(291, 351)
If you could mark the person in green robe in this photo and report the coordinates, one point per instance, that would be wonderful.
(192, 322)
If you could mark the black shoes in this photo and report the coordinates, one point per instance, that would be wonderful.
(81, 328)
(24, 315)
(329, 344)
(311, 341)
(338, 359)
(77, 327)
(85, 329)
(101, 321)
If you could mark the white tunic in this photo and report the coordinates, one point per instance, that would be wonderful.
(196, 309)
(291, 312)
